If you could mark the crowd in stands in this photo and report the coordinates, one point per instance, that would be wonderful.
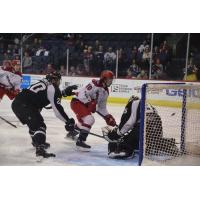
(89, 54)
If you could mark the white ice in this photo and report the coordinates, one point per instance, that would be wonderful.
(16, 148)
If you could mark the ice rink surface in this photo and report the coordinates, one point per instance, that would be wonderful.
(16, 148)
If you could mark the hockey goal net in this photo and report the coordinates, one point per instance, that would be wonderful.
(170, 124)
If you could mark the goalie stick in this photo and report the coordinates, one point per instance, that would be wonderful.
(8, 122)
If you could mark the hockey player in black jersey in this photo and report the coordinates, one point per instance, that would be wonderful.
(29, 102)
(124, 139)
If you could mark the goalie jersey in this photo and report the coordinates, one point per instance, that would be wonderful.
(131, 116)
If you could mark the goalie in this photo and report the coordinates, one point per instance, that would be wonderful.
(124, 139)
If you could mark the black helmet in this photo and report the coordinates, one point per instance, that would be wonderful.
(53, 76)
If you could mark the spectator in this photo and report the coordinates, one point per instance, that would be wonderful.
(88, 58)
(27, 63)
(157, 70)
(142, 46)
(110, 59)
(98, 61)
(135, 70)
(129, 73)
(192, 72)
(156, 53)
(62, 70)
(16, 57)
(35, 46)
(146, 54)
(164, 46)
(71, 40)
(122, 62)
(79, 70)
(87, 71)
(142, 75)
(79, 47)
(96, 45)
(49, 68)
(10, 50)
(16, 50)
(134, 52)
(72, 71)
(6, 56)
(42, 51)
(164, 57)
(16, 41)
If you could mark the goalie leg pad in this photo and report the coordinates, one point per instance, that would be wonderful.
(119, 151)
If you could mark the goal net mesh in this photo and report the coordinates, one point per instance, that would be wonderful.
(171, 124)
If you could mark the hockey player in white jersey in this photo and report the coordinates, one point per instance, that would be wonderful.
(88, 100)
(10, 81)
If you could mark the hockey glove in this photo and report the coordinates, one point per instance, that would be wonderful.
(13, 93)
(110, 120)
(68, 90)
(69, 126)
(111, 135)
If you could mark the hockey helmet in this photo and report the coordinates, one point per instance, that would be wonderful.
(107, 77)
(15, 62)
(53, 76)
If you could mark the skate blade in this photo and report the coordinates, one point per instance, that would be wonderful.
(82, 149)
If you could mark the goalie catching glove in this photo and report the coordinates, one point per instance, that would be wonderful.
(111, 135)
(68, 90)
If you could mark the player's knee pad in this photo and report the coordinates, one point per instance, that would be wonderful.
(89, 119)
(119, 147)
(112, 147)
(86, 123)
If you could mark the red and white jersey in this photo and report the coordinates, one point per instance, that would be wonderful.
(94, 91)
(10, 79)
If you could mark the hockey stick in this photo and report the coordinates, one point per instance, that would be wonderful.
(97, 135)
(100, 114)
(77, 129)
(8, 122)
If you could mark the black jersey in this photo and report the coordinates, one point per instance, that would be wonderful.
(131, 115)
(41, 94)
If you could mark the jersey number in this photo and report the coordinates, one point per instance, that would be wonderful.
(89, 87)
(38, 87)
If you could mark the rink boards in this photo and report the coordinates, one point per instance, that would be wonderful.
(121, 90)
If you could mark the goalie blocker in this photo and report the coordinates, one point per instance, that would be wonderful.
(124, 139)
